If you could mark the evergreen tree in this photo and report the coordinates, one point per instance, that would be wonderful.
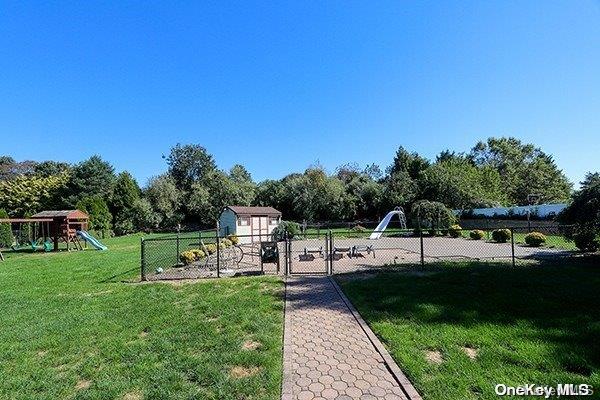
(97, 209)
(126, 192)
(93, 177)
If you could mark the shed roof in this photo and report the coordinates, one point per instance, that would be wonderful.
(71, 214)
(244, 210)
(25, 220)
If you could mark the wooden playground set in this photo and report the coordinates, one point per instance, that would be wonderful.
(45, 230)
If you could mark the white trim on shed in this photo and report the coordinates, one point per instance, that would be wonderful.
(250, 224)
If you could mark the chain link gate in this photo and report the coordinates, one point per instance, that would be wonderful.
(308, 254)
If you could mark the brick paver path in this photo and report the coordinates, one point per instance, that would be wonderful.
(327, 354)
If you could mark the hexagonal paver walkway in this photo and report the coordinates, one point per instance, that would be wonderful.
(329, 351)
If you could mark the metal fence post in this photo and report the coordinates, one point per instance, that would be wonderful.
(422, 248)
(218, 253)
(143, 259)
(512, 246)
(330, 255)
(177, 249)
(287, 254)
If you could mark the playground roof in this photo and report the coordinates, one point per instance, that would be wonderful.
(70, 214)
(243, 210)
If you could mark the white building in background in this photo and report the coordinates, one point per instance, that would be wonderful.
(540, 210)
(251, 224)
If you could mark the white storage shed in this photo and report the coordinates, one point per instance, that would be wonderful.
(251, 224)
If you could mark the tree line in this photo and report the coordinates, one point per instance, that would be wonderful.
(193, 190)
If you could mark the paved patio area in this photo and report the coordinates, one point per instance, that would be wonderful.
(330, 352)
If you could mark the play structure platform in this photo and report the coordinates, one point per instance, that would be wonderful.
(46, 229)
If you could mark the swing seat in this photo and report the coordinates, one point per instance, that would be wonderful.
(48, 246)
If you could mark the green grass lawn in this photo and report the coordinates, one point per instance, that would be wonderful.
(79, 326)
(459, 329)
(552, 241)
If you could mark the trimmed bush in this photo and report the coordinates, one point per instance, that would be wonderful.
(211, 248)
(431, 215)
(292, 229)
(477, 234)
(587, 240)
(199, 254)
(187, 257)
(358, 229)
(501, 235)
(234, 239)
(226, 243)
(535, 239)
(455, 231)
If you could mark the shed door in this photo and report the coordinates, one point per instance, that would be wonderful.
(260, 229)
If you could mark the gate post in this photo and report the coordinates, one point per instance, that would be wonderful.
(288, 246)
(218, 252)
(143, 258)
(177, 251)
(422, 248)
(285, 252)
(331, 260)
(512, 246)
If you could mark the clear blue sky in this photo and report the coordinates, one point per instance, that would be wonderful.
(279, 86)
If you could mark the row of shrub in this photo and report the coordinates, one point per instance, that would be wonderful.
(534, 239)
(189, 256)
(585, 240)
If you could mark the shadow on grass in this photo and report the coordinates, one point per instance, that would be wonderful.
(114, 278)
(558, 302)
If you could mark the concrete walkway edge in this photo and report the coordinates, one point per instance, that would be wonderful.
(405, 384)
(286, 382)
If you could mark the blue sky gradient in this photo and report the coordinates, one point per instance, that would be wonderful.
(278, 86)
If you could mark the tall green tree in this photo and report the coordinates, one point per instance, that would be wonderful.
(126, 192)
(51, 168)
(584, 213)
(28, 194)
(189, 164)
(144, 217)
(399, 190)
(243, 186)
(410, 163)
(590, 179)
(459, 184)
(165, 198)
(524, 169)
(9, 168)
(93, 177)
(271, 193)
(100, 216)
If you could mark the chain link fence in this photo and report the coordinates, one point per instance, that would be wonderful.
(207, 255)
(193, 256)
